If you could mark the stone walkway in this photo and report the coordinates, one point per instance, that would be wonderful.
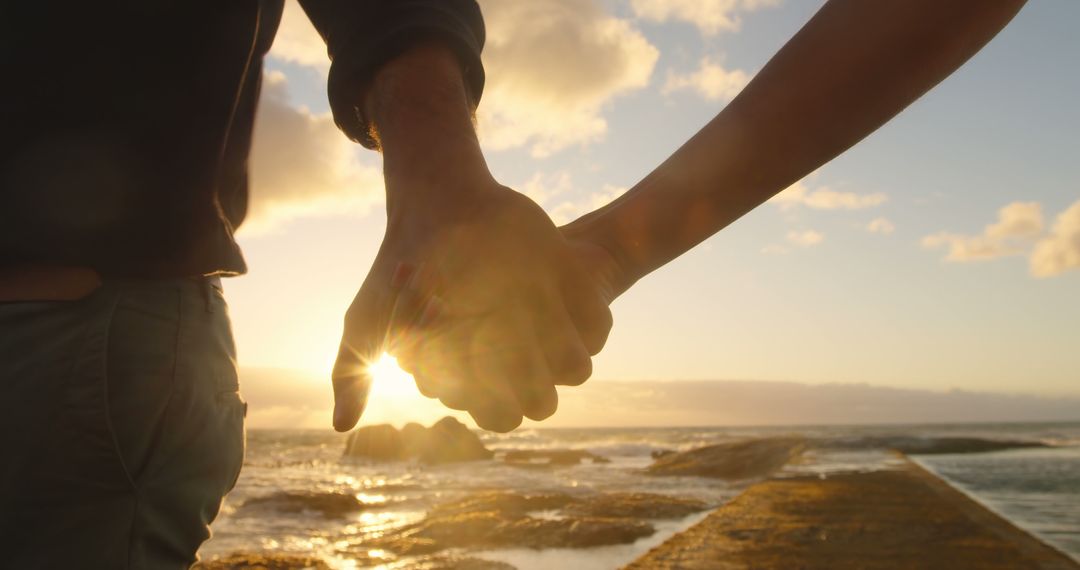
(905, 518)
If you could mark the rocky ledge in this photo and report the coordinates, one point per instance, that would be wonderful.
(542, 520)
(746, 459)
(276, 561)
(325, 504)
(446, 441)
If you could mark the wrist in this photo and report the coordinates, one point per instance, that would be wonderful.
(609, 257)
(421, 115)
(418, 102)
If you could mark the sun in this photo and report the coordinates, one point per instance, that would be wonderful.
(387, 378)
(395, 399)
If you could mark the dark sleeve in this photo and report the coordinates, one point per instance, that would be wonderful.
(361, 35)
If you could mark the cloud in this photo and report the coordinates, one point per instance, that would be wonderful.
(825, 198)
(302, 164)
(1019, 219)
(552, 66)
(1018, 224)
(880, 226)
(711, 81)
(297, 41)
(710, 16)
(1060, 250)
(555, 192)
(807, 238)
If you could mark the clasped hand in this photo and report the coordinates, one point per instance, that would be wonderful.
(485, 303)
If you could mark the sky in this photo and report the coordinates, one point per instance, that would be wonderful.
(941, 253)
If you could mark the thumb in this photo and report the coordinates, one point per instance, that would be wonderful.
(366, 336)
(352, 381)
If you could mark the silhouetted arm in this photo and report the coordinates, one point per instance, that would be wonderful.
(851, 68)
(474, 289)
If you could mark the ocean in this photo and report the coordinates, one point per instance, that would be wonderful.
(1038, 489)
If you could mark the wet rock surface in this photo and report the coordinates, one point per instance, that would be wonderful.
(446, 441)
(543, 520)
(259, 561)
(738, 460)
(550, 457)
(273, 561)
(325, 504)
(881, 520)
(455, 563)
(636, 505)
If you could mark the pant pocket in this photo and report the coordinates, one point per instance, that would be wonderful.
(140, 374)
(233, 410)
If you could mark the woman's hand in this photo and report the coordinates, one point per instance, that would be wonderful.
(485, 302)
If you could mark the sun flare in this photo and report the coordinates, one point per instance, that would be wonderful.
(388, 378)
(395, 399)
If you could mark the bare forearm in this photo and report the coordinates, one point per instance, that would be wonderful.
(421, 116)
(853, 67)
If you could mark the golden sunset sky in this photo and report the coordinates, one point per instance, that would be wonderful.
(942, 253)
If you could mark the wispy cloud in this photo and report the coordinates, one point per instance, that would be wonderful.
(711, 80)
(880, 226)
(555, 192)
(805, 238)
(710, 16)
(825, 198)
(1016, 228)
(795, 239)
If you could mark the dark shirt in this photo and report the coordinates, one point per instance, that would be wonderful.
(126, 125)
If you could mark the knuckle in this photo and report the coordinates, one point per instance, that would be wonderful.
(605, 319)
(503, 422)
(579, 374)
(542, 410)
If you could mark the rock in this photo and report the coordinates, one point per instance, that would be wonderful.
(273, 561)
(251, 561)
(414, 437)
(380, 442)
(456, 563)
(447, 441)
(658, 453)
(635, 506)
(733, 461)
(506, 504)
(502, 520)
(326, 504)
(536, 533)
(550, 457)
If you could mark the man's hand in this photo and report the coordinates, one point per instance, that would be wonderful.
(488, 306)
(474, 289)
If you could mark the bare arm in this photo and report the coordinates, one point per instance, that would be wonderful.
(853, 67)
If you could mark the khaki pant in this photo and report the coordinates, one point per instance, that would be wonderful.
(121, 426)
